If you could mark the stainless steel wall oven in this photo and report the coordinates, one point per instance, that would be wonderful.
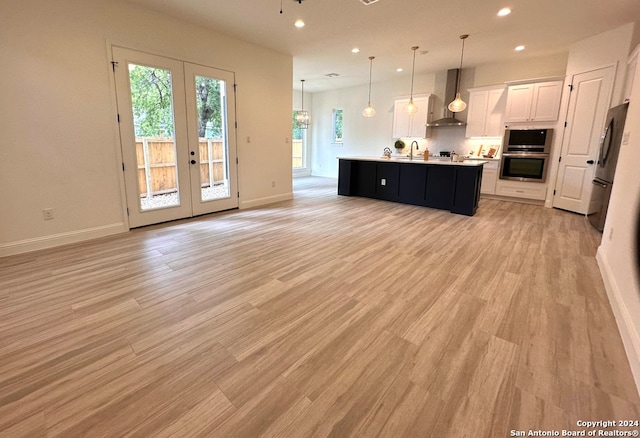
(526, 154)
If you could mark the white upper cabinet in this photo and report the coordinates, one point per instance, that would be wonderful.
(407, 125)
(486, 111)
(534, 102)
(632, 64)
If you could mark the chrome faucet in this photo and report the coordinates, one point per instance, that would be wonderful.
(417, 147)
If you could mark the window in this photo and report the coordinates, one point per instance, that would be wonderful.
(337, 125)
(297, 144)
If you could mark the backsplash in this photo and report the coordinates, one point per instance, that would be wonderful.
(452, 139)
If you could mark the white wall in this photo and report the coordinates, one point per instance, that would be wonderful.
(607, 48)
(618, 250)
(370, 136)
(59, 140)
(499, 73)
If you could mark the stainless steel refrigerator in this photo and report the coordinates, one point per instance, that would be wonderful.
(606, 165)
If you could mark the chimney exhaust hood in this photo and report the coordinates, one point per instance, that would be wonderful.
(449, 118)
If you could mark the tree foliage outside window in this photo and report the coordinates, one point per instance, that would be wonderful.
(151, 100)
(152, 103)
(337, 125)
(297, 130)
(209, 103)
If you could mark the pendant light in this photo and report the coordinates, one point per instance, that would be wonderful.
(369, 111)
(411, 108)
(302, 116)
(458, 104)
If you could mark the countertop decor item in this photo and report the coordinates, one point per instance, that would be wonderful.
(399, 144)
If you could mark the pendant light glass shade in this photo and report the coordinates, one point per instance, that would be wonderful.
(411, 108)
(458, 104)
(302, 116)
(369, 111)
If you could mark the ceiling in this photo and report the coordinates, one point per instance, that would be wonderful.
(388, 28)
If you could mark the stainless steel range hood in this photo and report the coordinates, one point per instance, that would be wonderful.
(449, 118)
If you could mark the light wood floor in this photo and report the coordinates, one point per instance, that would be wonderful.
(322, 316)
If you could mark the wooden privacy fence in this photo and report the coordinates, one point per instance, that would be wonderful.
(156, 158)
(296, 153)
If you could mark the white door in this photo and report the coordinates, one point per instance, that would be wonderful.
(588, 105)
(212, 159)
(177, 137)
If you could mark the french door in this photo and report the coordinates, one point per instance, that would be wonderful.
(177, 136)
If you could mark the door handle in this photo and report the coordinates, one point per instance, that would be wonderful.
(193, 161)
(590, 161)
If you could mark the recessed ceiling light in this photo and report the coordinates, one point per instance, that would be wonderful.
(299, 23)
(355, 50)
(503, 12)
(519, 48)
(398, 69)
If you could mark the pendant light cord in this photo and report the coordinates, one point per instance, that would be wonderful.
(462, 37)
(371, 58)
(302, 80)
(413, 68)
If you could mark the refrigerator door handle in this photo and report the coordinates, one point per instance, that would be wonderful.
(599, 184)
(604, 145)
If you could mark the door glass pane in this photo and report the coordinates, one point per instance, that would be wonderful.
(297, 144)
(211, 105)
(153, 120)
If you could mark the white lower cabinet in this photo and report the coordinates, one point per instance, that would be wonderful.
(521, 189)
(489, 177)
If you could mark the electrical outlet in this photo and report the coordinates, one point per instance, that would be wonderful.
(273, 183)
(286, 140)
(48, 214)
(248, 139)
(611, 233)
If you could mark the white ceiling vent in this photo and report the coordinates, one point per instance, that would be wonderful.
(368, 2)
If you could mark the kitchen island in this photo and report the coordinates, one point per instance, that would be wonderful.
(446, 185)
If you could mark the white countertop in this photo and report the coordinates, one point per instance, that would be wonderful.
(419, 160)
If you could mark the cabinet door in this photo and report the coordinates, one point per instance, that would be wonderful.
(418, 121)
(496, 102)
(365, 178)
(519, 100)
(387, 181)
(477, 115)
(546, 101)
(489, 179)
(413, 181)
(401, 120)
(405, 125)
(440, 186)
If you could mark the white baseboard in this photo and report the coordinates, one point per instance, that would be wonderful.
(630, 337)
(264, 201)
(324, 174)
(36, 243)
